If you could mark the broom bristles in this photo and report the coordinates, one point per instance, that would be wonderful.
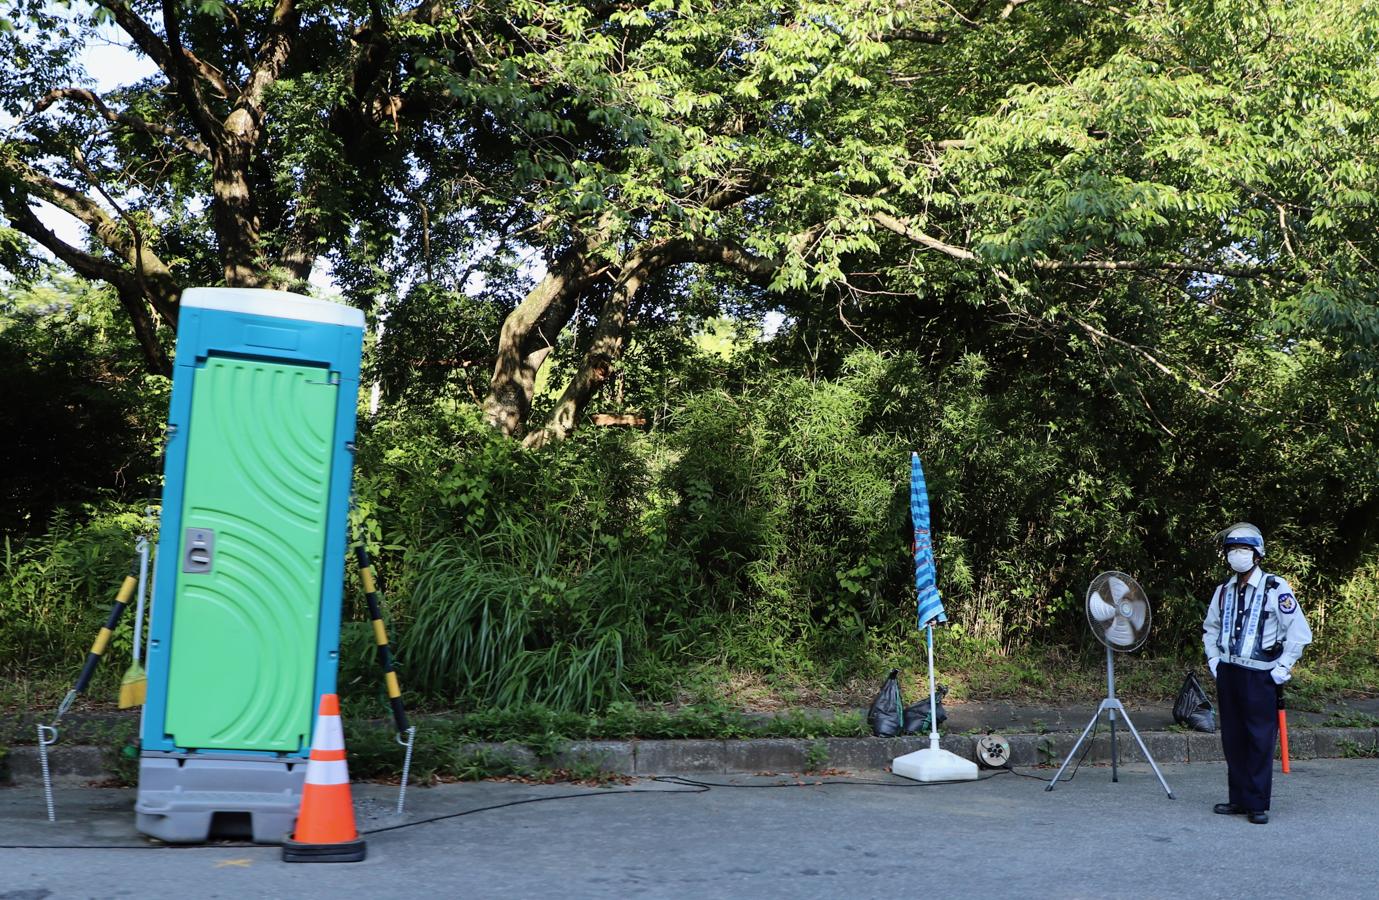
(133, 688)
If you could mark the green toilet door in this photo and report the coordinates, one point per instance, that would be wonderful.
(244, 629)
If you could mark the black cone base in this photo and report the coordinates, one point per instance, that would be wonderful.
(345, 851)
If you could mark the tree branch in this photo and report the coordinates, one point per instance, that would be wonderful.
(145, 38)
(1010, 7)
(209, 74)
(914, 35)
(910, 233)
(298, 253)
(605, 347)
(272, 55)
(194, 147)
(733, 192)
(1098, 335)
(163, 289)
(179, 71)
(428, 12)
(94, 268)
(85, 264)
(1199, 266)
(528, 333)
(758, 269)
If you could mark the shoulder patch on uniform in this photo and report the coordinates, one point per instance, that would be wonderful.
(1287, 603)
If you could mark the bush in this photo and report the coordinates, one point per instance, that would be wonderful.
(56, 589)
(521, 577)
(515, 616)
(82, 422)
(764, 530)
(796, 515)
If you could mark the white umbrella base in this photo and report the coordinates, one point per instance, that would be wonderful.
(931, 764)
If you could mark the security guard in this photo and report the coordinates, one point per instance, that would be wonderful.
(1254, 632)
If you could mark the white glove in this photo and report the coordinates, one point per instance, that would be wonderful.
(1280, 674)
(1212, 664)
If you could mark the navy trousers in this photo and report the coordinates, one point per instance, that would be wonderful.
(1249, 728)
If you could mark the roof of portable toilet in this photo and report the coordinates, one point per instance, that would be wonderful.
(275, 304)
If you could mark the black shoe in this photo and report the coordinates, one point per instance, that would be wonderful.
(1259, 818)
(1228, 809)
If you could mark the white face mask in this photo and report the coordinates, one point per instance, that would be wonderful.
(1241, 559)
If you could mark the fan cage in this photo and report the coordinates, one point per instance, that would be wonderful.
(1117, 592)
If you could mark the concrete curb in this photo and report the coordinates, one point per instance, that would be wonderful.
(71, 765)
(77, 763)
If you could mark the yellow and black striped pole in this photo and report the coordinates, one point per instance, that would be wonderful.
(47, 734)
(93, 658)
(380, 636)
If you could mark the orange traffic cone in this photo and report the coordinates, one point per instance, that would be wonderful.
(325, 824)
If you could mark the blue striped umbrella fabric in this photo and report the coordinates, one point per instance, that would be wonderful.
(930, 603)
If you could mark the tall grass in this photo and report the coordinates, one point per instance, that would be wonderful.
(56, 588)
(513, 617)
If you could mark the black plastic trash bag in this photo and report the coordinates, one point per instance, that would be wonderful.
(917, 714)
(884, 717)
(1192, 708)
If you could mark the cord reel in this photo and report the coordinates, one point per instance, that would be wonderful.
(993, 751)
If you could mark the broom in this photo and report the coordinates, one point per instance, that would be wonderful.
(134, 684)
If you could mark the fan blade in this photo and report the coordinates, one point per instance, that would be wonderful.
(1100, 609)
(1118, 589)
(1120, 633)
(1140, 613)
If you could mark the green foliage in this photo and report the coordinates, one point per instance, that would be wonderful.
(764, 532)
(440, 343)
(81, 422)
(1351, 718)
(520, 578)
(784, 500)
(1110, 271)
(119, 745)
(501, 620)
(56, 589)
(77, 468)
(1236, 134)
(1357, 749)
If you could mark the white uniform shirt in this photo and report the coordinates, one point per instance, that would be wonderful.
(1282, 619)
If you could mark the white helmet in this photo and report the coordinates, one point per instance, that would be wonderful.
(1245, 535)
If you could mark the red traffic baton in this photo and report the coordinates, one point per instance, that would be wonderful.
(1283, 730)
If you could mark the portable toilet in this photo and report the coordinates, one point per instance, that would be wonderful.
(245, 626)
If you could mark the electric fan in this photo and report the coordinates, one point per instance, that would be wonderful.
(1118, 612)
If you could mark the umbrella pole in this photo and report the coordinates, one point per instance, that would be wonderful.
(933, 704)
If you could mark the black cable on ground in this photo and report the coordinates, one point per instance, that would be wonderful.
(385, 828)
(1077, 765)
(695, 789)
(690, 785)
(680, 779)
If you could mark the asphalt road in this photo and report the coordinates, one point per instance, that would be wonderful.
(1005, 837)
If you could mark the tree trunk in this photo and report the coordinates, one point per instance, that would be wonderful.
(610, 335)
(145, 330)
(528, 336)
(236, 221)
(606, 348)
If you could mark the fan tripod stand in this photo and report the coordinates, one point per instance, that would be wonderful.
(1110, 706)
